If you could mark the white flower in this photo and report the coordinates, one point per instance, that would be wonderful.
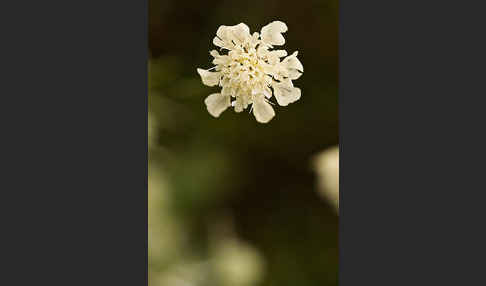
(327, 166)
(250, 73)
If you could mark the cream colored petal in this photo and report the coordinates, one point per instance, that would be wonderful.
(241, 101)
(219, 59)
(237, 33)
(294, 74)
(272, 33)
(278, 53)
(285, 93)
(220, 43)
(225, 81)
(214, 53)
(262, 110)
(245, 98)
(223, 33)
(226, 91)
(268, 80)
(209, 78)
(217, 103)
(293, 66)
(279, 74)
(241, 33)
(273, 57)
(292, 62)
(262, 51)
(267, 92)
(238, 104)
(254, 39)
(268, 69)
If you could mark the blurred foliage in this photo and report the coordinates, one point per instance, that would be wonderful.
(255, 179)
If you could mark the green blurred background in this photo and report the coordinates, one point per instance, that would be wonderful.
(231, 201)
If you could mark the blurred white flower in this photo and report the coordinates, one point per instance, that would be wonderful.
(250, 73)
(327, 167)
(237, 263)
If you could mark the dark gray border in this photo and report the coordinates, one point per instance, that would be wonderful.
(411, 124)
(75, 78)
(75, 142)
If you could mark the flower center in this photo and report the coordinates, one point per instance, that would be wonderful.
(244, 71)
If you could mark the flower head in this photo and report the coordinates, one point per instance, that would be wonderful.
(250, 72)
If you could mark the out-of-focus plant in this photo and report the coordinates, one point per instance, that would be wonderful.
(237, 263)
(176, 257)
(327, 167)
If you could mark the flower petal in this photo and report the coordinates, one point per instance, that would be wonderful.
(272, 33)
(209, 78)
(262, 51)
(217, 103)
(214, 53)
(241, 32)
(294, 74)
(220, 43)
(293, 65)
(223, 33)
(254, 39)
(262, 110)
(292, 62)
(275, 55)
(226, 90)
(268, 68)
(237, 33)
(286, 93)
(219, 59)
(267, 92)
(238, 104)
